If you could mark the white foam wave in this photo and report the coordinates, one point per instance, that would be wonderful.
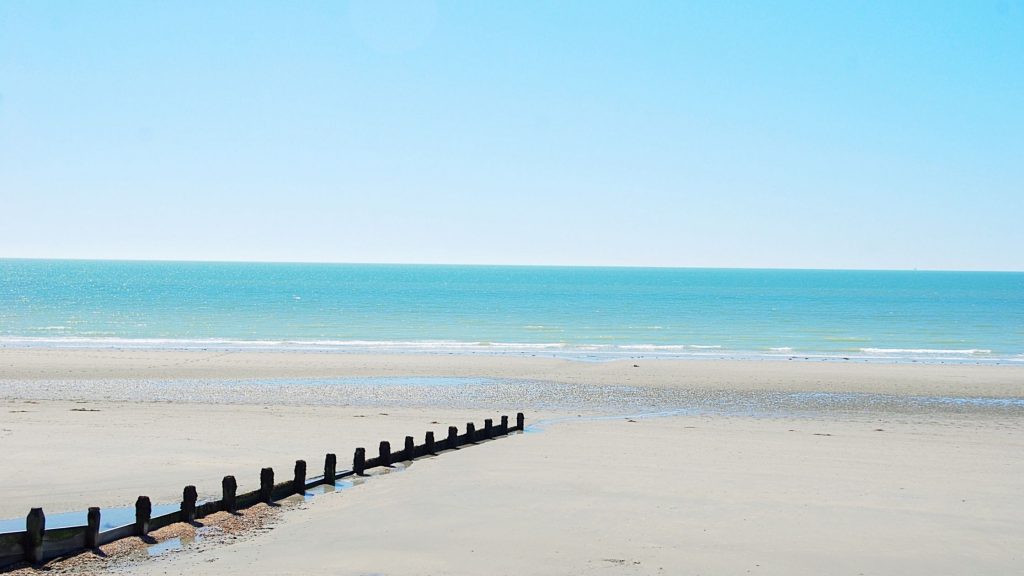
(107, 341)
(192, 343)
(653, 347)
(582, 351)
(924, 351)
(667, 347)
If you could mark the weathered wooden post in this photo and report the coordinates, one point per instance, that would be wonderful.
(520, 420)
(453, 437)
(504, 425)
(266, 485)
(385, 453)
(359, 462)
(92, 530)
(488, 429)
(35, 526)
(410, 448)
(330, 469)
(229, 489)
(470, 432)
(299, 482)
(429, 443)
(143, 514)
(188, 504)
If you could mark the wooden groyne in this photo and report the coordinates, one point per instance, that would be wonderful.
(37, 545)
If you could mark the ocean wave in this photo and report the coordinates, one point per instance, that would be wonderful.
(924, 351)
(667, 347)
(109, 341)
(445, 344)
(568, 350)
(193, 343)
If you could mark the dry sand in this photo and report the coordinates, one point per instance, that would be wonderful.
(668, 496)
(883, 489)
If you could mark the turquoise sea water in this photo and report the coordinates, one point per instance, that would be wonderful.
(576, 312)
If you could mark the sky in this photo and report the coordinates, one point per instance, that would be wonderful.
(710, 134)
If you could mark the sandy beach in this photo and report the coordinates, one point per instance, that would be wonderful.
(779, 468)
(36, 364)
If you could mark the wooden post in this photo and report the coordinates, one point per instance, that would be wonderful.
(143, 513)
(229, 488)
(520, 420)
(359, 462)
(410, 448)
(330, 469)
(429, 443)
(470, 432)
(266, 485)
(299, 483)
(92, 530)
(504, 425)
(453, 437)
(385, 453)
(488, 429)
(188, 504)
(35, 526)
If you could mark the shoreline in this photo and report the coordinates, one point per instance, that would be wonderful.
(26, 365)
(559, 350)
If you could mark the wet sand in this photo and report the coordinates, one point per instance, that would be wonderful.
(893, 486)
(33, 364)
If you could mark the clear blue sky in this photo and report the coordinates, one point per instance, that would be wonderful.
(795, 134)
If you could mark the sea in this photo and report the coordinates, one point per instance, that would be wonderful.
(584, 313)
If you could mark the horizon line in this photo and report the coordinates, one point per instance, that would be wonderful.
(518, 265)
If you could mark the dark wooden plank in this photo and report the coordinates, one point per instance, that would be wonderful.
(12, 548)
(116, 534)
(159, 522)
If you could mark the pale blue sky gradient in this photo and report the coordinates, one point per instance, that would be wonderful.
(796, 134)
